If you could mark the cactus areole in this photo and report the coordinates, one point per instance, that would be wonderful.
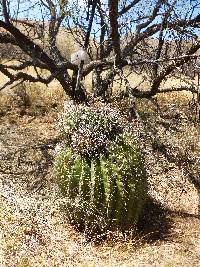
(100, 171)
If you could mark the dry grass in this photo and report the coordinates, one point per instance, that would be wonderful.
(33, 98)
(33, 228)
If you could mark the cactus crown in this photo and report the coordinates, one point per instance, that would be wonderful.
(89, 131)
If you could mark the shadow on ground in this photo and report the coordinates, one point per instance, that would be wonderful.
(154, 223)
(157, 223)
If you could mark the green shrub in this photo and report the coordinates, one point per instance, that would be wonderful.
(100, 171)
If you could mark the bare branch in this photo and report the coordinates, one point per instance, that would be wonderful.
(151, 43)
(128, 7)
(22, 76)
(191, 89)
(28, 46)
(104, 26)
(5, 11)
(151, 18)
(107, 63)
(5, 71)
(26, 64)
(157, 81)
(114, 33)
(151, 30)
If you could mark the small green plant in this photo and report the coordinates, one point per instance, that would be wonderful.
(100, 171)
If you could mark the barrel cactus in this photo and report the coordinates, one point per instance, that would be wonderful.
(100, 170)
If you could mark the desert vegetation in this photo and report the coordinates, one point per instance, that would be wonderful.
(99, 157)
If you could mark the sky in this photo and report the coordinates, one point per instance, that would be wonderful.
(34, 10)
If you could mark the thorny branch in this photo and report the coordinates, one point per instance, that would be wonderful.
(153, 42)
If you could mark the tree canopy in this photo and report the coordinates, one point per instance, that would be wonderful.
(155, 38)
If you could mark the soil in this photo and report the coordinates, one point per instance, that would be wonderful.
(35, 230)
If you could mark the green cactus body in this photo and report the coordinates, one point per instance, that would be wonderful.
(107, 191)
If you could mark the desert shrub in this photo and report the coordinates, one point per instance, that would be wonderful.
(32, 99)
(100, 170)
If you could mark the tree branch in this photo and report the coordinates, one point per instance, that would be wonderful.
(151, 18)
(153, 29)
(28, 46)
(54, 26)
(157, 81)
(191, 89)
(24, 77)
(128, 7)
(107, 63)
(26, 64)
(114, 33)
(5, 11)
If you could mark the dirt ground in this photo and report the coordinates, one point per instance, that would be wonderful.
(34, 230)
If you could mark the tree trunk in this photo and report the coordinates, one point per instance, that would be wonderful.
(99, 86)
(69, 86)
(114, 27)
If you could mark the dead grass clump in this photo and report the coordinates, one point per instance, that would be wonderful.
(6, 103)
(32, 99)
(175, 97)
(43, 99)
